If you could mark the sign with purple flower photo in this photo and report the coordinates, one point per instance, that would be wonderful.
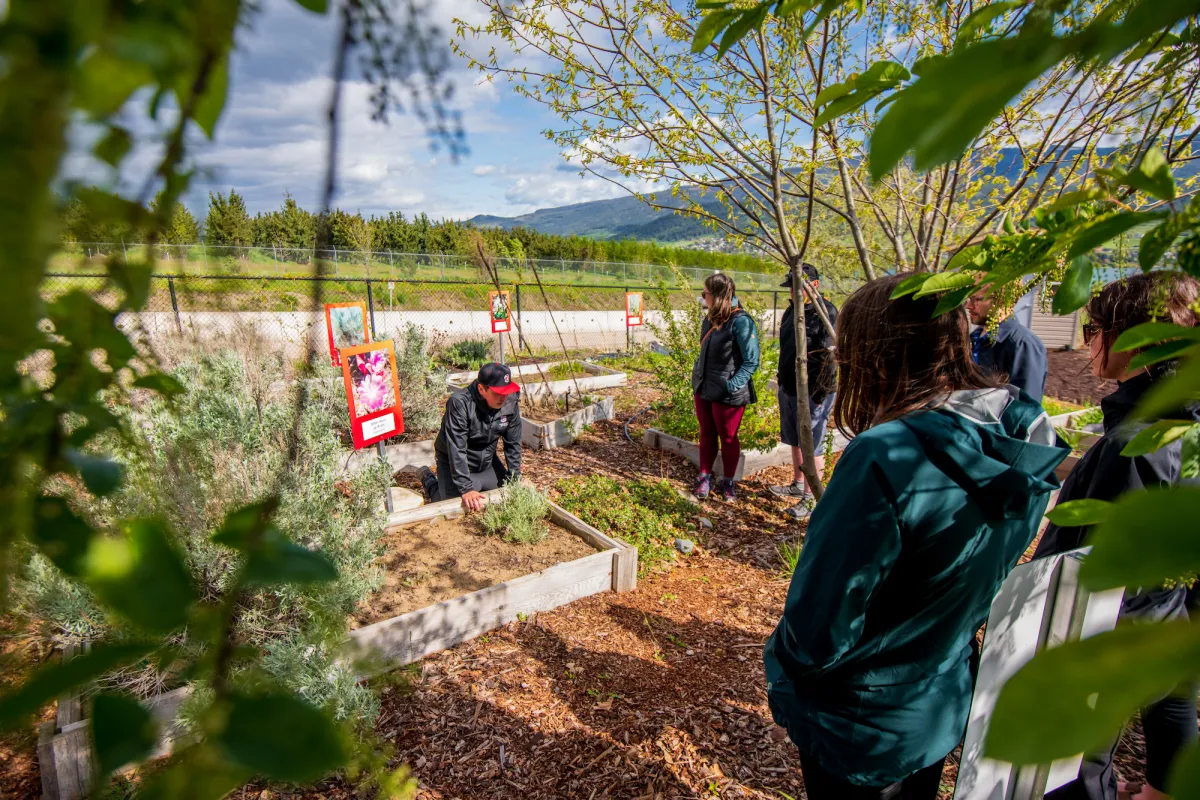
(372, 392)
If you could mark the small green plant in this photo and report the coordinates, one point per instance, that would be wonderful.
(668, 598)
(675, 640)
(789, 555)
(470, 353)
(648, 515)
(519, 516)
(1055, 407)
(1089, 417)
(566, 369)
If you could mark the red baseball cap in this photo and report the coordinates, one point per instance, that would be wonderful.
(498, 378)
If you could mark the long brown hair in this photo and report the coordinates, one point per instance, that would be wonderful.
(721, 290)
(1149, 297)
(895, 356)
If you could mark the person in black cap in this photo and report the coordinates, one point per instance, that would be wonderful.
(822, 383)
(476, 419)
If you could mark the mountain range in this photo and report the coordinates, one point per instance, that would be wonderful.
(630, 218)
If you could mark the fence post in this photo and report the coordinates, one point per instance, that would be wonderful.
(204, 253)
(175, 305)
(391, 265)
(371, 309)
(520, 322)
(628, 330)
(335, 262)
(443, 259)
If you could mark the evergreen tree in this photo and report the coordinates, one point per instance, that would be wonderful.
(228, 222)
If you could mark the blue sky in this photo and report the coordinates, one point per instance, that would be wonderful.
(271, 138)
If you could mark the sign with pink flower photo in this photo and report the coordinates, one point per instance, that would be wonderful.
(345, 326)
(372, 392)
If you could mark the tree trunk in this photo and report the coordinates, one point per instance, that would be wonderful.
(807, 446)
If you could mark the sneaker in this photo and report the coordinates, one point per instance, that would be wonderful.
(728, 493)
(800, 511)
(793, 489)
(428, 483)
(703, 486)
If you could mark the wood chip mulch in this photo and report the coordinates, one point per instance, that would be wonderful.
(1070, 378)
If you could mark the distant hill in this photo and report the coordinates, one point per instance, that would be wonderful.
(630, 218)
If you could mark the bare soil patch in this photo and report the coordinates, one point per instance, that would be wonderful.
(439, 560)
(1070, 378)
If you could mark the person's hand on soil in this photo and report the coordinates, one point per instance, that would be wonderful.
(473, 501)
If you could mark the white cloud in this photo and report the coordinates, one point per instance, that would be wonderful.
(484, 169)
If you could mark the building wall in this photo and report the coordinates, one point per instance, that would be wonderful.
(1057, 333)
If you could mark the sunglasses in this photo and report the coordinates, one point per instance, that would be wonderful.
(1090, 329)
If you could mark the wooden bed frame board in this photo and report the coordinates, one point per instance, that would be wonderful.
(411, 636)
(751, 461)
(399, 456)
(564, 430)
(602, 378)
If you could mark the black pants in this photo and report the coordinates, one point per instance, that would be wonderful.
(1169, 725)
(820, 785)
(491, 478)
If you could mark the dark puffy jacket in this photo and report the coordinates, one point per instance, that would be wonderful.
(822, 369)
(471, 431)
(729, 357)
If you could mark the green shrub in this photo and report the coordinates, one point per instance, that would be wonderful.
(1089, 417)
(471, 353)
(648, 515)
(422, 386)
(680, 334)
(220, 445)
(565, 370)
(1055, 407)
(519, 516)
(789, 556)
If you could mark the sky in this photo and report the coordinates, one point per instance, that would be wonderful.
(271, 138)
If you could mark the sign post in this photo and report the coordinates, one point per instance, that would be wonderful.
(633, 316)
(345, 327)
(501, 314)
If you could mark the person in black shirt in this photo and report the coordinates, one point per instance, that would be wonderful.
(1105, 474)
(1013, 349)
(822, 385)
(477, 418)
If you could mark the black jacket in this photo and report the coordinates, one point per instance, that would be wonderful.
(822, 369)
(1017, 352)
(471, 431)
(1103, 474)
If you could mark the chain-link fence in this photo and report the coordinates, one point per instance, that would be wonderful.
(388, 265)
(275, 314)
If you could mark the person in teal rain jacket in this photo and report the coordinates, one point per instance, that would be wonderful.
(929, 508)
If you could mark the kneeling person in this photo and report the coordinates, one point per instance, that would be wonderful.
(476, 419)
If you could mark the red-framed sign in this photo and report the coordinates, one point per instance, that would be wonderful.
(501, 312)
(372, 392)
(345, 326)
(633, 309)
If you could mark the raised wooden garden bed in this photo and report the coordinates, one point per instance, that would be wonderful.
(399, 456)
(749, 462)
(414, 634)
(591, 378)
(542, 431)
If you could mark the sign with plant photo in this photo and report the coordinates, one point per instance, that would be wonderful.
(633, 309)
(501, 318)
(346, 326)
(372, 392)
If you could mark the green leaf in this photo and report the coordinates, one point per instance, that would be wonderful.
(282, 738)
(1076, 287)
(141, 576)
(280, 560)
(123, 731)
(61, 536)
(159, 382)
(319, 6)
(86, 324)
(1089, 688)
(748, 20)
(131, 278)
(113, 146)
(952, 300)
(244, 526)
(945, 281)
(1156, 436)
(51, 681)
(1157, 241)
(107, 81)
(1179, 391)
(1073, 199)
(1149, 333)
(844, 105)
(200, 773)
(882, 73)
(1148, 538)
(211, 103)
(973, 254)
(1105, 229)
(712, 24)
(834, 91)
(1189, 455)
(101, 476)
(910, 284)
(983, 17)
(1153, 176)
(1079, 512)
(1184, 778)
(1162, 352)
